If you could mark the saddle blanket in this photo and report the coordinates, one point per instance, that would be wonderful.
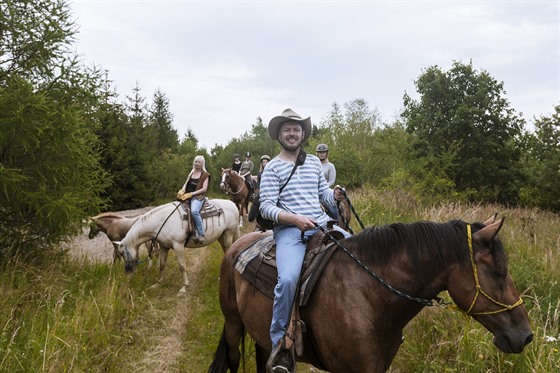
(208, 210)
(257, 264)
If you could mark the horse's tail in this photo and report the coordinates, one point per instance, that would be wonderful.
(220, 364)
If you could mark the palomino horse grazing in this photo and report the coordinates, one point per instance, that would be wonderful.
(374, 284)
(234, 185)
(166, 225)
(116, 226)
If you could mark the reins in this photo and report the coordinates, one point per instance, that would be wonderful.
(165, 221)
(346, 223)
(425, 302)
(436, 301)
(155, 238)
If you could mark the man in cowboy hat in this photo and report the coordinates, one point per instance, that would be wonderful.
(295, 212)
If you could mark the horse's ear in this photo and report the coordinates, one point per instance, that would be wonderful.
(222, 169)
(489, 232)
(491, 220)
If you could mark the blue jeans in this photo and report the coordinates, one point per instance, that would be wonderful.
(290, 252)
(196, 206)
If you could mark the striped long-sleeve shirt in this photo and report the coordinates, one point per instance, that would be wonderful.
(303, 193)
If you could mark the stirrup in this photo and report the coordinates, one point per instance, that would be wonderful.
(272, 360)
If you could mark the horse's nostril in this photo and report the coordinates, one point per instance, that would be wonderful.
(529, 339)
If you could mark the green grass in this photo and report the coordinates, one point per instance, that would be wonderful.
(71, 316)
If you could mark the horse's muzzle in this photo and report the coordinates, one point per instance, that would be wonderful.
(129, 266)
(511, 345)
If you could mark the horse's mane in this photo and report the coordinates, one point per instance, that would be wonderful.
(156, 209)
(108, 214)
(438, 243)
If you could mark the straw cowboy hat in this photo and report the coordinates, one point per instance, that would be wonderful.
(288, 115)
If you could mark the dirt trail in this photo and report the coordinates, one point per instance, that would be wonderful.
(166, 343)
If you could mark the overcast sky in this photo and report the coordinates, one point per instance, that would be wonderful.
(222, 64)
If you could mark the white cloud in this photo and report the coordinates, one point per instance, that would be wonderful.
(223, 64)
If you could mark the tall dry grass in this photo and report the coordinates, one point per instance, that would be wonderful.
(72, 316)
(443, 340)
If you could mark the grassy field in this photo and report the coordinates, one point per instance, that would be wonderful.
(68, 315)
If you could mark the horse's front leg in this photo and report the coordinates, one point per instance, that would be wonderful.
(116, 254)
(162, 263)
(241, 214)
(180, 254)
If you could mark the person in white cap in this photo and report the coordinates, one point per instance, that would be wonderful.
(322, 151)
(291, 197)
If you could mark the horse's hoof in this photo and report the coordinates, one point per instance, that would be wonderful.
(184, 291)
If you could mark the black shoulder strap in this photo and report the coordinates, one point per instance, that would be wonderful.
(299, 161)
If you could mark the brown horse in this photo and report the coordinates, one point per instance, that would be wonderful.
(344, 214)
(374, 284)
(234, 185)
(116, 226)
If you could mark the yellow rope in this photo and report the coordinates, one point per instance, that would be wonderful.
(479, 290)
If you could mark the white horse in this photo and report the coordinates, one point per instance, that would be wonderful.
(166, 225)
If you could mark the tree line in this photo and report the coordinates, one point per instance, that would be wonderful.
(70, 147)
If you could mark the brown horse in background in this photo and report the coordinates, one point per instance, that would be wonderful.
(344, 214)
(234, 185)
(374, 284)
(116, 226)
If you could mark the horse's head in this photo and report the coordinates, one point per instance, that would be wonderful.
(484, 289)
(93, 228)
(93, 232)
(129, 253)
(224, 183)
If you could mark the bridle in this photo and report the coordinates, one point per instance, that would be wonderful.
(436, 301)
(127, 254)
(479, 289)
(227, 184)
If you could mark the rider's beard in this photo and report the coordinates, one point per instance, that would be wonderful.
(289, 146)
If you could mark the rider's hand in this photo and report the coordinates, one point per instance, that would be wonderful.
(180, 193)
(185, 196)
(303, 222)
(338, 193)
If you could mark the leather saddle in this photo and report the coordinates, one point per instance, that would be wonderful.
(208, 210)
(257, 263)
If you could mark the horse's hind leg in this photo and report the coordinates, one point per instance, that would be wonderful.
(228, 238)
(180, 254)
(116, 254)
(233, 333)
